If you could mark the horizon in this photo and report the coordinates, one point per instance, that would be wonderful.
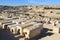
(29, 2)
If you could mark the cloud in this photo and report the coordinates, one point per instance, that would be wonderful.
(33, 1)
(37, 2)
(44, 2)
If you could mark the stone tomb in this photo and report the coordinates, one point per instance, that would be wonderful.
(33, 31)
(6, 24)
(56, 29)
(21, 27)
(13, 28)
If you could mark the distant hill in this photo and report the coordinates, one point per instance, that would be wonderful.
(2, 8)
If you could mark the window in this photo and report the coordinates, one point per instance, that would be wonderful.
(51, 12)
(18, 31)
(12, 30)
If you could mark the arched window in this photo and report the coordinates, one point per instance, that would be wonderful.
(18, 31)
(51, 11)
(12, 30)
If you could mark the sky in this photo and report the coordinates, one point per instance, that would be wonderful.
(29, 2)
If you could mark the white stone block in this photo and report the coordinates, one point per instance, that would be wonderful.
(56, 29)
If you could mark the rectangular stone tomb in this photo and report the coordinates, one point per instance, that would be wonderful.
(33, 31)
(6, 24)
(21, 27)
(13, 28)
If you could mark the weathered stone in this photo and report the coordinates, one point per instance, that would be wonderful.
(33, 31)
